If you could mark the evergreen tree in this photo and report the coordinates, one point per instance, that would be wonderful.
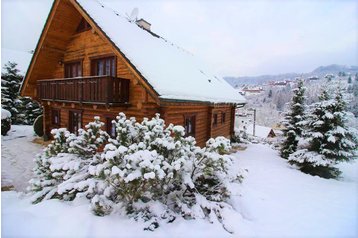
(349, 79)
(270, 93)
(328, 139)
(10, 85)
(30, 110)
(294, 120)
(65, 162)
(23, 109)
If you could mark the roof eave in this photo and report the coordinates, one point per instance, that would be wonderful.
(198, 101)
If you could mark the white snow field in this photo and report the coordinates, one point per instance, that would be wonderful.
(274, 200)
(17, 156)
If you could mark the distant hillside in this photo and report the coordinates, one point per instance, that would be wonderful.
(320, 71)
(335, 68)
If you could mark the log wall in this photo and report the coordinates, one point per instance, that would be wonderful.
(60, 43)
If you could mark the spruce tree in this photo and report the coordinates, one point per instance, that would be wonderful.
(10, 85)
(349, 79)
(23, 109)
(294, 120)
(328, 139)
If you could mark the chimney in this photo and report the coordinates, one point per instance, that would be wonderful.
(143, 24)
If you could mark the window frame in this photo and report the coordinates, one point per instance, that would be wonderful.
(55, 112)
(192, 118)
(109, 120)
(71, 122)
(104, 58)
(83, 26)
(79, 66)
(215, 119)
(223, 117)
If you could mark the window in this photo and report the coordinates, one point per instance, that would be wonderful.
(55, 117)
(223, 117)
(73, 69)
(111, 127)
(215, 119)
(103, 66)
(75, 121)
(189, 124)
(83, 26)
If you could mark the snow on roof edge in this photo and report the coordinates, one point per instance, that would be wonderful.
(214, 93)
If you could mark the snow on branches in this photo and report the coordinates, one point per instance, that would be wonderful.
(294, 121)
(327, 139)
(148, 171)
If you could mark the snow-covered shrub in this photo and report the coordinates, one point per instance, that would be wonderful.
(149, 171)
(88, 141)
(327, 138)
(240, 136)
(65, 162)
(5, 121)
(150, 162)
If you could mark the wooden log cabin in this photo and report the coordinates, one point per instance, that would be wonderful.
(92, 61)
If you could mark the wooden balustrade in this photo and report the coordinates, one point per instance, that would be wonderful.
(93, 89)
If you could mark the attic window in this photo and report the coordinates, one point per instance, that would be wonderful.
(83, 26)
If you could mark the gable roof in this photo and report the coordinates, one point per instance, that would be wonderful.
(171, 71)
(260, 131)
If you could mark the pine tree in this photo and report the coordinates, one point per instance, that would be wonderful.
(147, 165)
(65, 162)
(349, 79)
(30, 109)
(10, 85)
(88, 141)
(23, 109)
(294, 120)
(328, 139)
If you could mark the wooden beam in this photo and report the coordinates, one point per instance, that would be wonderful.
(53, 49)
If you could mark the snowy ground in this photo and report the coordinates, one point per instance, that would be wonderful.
(275, 200)
(17, 155)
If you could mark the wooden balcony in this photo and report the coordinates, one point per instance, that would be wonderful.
(94, 89)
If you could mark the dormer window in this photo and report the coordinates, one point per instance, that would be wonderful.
(83, 26)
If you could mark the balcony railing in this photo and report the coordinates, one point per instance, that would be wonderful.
(93, 89)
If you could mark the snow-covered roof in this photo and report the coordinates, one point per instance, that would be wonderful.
(260, 131)
(173, 72)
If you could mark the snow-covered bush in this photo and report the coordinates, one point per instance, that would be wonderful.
(146, 167)
(327, 138)
(65, 162)
(5, 121)
(150, 162)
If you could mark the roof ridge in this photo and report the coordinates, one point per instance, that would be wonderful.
(150, 32)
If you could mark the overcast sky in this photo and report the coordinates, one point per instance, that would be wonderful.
(234, 37)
